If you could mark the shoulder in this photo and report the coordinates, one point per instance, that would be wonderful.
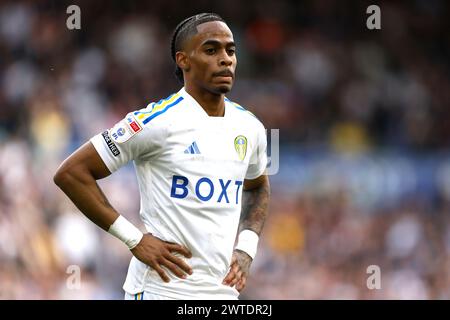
(244, 114)
(157, 112)
(152, 120)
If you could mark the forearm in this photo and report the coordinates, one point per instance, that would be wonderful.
(81, 187)
(255, 204)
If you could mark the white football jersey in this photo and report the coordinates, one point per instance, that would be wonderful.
(190, 169)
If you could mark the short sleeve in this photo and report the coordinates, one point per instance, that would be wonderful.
(258, 158)
(127, 140)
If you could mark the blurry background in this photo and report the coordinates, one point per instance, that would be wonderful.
(364, 119)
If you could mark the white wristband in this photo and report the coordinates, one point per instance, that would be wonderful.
(126, 232)
(248, 242)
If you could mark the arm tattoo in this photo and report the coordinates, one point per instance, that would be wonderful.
(254, 208)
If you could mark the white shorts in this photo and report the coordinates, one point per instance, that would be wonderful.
(145, 296)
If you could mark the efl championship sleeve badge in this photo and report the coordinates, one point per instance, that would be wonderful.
(133, 124)
(125, 129)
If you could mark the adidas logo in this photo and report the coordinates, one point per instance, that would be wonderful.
(192, 149)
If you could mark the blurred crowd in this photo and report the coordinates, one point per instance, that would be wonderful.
(363, 118)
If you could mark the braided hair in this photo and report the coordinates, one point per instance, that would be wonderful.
(184, 30)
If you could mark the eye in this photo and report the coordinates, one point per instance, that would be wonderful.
(231, 51)
(210, 50)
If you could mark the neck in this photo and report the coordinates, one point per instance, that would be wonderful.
(213, 104)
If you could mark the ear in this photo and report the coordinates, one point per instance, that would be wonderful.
(182, 60)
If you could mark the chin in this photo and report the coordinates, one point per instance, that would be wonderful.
(222, 89)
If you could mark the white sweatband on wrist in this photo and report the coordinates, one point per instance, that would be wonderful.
(248, 242)
(126, 232)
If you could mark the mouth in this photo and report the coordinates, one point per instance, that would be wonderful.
(225, 74)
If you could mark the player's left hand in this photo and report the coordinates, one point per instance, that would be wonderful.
(239, 270)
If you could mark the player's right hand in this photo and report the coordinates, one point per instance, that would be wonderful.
(155, 253)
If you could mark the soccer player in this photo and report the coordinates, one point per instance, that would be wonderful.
(200, 162)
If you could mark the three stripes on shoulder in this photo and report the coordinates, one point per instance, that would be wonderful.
(158, 108)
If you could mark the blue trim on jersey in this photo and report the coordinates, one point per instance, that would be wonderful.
(154, 104)
(237, 106)
(147, 120)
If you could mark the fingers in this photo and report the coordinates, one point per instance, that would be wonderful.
(231, 274)
(161, 272)
(228, 277)
(157, 254)
(241, 284)
(179, 263)
(180, 249)
(175, 265)
(173, 268)
(234, 269)
(237, 278)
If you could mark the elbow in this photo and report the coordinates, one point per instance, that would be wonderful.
(60, 177)
(64, 175)
(70, 173)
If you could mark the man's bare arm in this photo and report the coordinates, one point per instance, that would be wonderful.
(77, 176)
(255, 202)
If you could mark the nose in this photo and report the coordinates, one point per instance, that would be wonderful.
(225, 59)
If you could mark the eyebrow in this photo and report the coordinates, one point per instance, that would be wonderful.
(218, 43)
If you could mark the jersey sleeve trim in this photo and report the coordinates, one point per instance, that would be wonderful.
(100, 144)
(241, 108)
(156, 109)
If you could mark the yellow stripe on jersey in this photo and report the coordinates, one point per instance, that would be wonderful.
(157, 107)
